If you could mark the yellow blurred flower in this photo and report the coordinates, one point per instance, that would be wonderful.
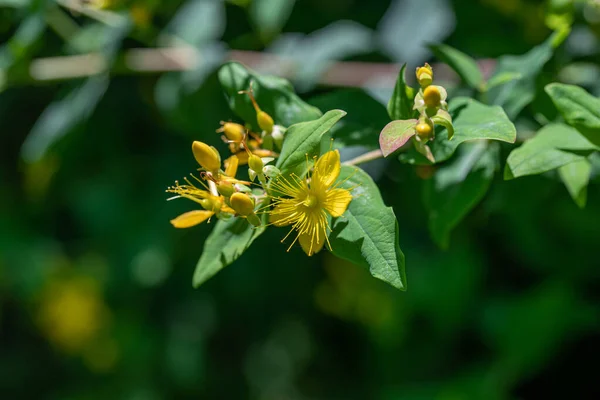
(72, 313)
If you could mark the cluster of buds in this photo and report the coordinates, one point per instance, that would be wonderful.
(428, 102)
(234, 192)
(218, 192)
(431, 104)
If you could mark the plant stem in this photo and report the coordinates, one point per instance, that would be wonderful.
(363, 158)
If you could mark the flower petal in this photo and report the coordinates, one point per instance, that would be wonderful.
(281, 216)
(337, 201)
(443, 92)
(231, 166)
(191, 218)
(327, 169)
(309, 245)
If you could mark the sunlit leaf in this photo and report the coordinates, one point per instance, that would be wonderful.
(579, 108)
(225, 244)
(553, 146)
(303, 139)
(576, 176)
(367, 234)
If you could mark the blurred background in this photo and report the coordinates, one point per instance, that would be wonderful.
(96, 298)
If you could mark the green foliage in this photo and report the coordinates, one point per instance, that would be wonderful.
(458, 186)
(364, 119)
(517, 93)
(576, 176)
(269, 16)
(225, 244)
(579, 109)
(367, 234)
(304, 139)
(275, 96)
(401, 103)
(553, 146)
(460, 62)
(472, 120)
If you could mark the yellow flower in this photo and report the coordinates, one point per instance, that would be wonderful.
(306, 203)
(210, 203)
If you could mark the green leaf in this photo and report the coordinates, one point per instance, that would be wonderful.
(516, 94)
(304, 138)
(367, 234)
(225, 244)
(274, 95)
(395, 134)
(269, 16)
(465, 66)
(444, 119)
(576, 176)
(553, 146)
(457, 187)
(579, 108)
(401, 103)
(62, 116)
(363, 123)
(472, 120)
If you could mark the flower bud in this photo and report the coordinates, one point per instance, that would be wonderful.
(425, 75)
(265, 122)
(242, 204)
(207, 156)
(233, 131)
(424, 130)
(207, 204)
(432, 97)
(225, 188)
(255, 163)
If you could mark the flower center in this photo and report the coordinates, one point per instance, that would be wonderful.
(311, 201)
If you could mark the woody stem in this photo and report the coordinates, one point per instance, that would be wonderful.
(366, 157)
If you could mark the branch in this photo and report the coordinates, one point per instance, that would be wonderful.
(183, 58)
(363, 158)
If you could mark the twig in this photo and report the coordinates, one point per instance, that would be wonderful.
(363, 158)
(182, 58)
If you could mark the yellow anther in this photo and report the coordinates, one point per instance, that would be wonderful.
(242, 204)
(208, 157)
(432, 96)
